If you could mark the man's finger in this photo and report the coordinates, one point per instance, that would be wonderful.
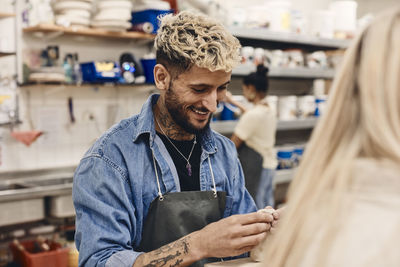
(254, 229)
(251, 240)
(254, 217)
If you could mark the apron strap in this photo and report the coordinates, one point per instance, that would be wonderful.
(212, 177)
(158, 180)
(214, 189)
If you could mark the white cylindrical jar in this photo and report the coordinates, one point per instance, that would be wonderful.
(305, 106)
(287, 107)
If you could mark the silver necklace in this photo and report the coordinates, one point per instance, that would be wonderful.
(188, 165)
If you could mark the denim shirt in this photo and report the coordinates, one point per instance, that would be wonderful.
(115, 183)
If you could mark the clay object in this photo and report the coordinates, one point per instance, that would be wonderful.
(256, 253)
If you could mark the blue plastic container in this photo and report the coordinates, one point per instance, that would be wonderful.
(318, 103)
(149, 15)
(91, 75)
(298, 151)
(228, 113)
(285, 160)
(297, 155)
(148, 67)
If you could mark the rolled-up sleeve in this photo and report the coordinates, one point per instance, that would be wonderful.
(105, 215)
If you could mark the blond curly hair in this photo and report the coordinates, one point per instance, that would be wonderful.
(188, 39)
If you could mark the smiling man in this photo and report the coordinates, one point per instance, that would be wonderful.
(161, 188)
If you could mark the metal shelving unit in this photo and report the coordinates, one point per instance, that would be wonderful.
(291, 38)
(299, 72)
(307, 123)
(223, 127)
(227, 127)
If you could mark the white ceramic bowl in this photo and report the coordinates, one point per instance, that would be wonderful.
(66, 5)
(105, 4)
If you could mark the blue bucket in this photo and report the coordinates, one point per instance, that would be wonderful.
(148, 67)
(149, 15)
(228, 113)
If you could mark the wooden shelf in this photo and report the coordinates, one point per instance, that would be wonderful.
(79, 31)
(86, 85)
(4, 54)
(6, 15)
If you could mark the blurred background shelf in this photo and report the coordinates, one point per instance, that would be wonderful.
(47, 28)
(6, 15)
(138, 86)
(284, 176)
(227, 127)
(306, 123)
(299, 72)
(289, 38)
(4, 54)
(9, 124)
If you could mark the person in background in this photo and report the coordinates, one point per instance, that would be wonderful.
(256, 128)
(344, 204)
(161, 188)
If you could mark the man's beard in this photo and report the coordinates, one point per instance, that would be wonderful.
(178, 113)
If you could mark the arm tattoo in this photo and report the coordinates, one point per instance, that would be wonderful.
(166, 254)
(163, 261)
(176, 263)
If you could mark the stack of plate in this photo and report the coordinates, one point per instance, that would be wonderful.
(113, 15)
(73, 12)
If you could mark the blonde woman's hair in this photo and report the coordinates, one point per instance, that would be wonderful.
(362, 121)
(188, 39)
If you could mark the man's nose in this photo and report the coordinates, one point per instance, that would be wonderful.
(210, 101)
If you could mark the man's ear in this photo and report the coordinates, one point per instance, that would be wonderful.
(162, 77)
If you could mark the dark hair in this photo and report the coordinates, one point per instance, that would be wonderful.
(258, 79)
(175, 64)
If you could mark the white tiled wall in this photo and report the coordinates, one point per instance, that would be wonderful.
(63, 143)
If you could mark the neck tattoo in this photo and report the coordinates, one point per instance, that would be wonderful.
(188, 165)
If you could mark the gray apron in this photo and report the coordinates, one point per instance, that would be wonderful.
(176, 214)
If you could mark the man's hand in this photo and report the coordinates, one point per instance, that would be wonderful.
(276, 214)
(232, 236)
(256, 253)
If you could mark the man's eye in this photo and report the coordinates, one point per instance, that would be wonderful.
(222, 88)
(198, 90)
